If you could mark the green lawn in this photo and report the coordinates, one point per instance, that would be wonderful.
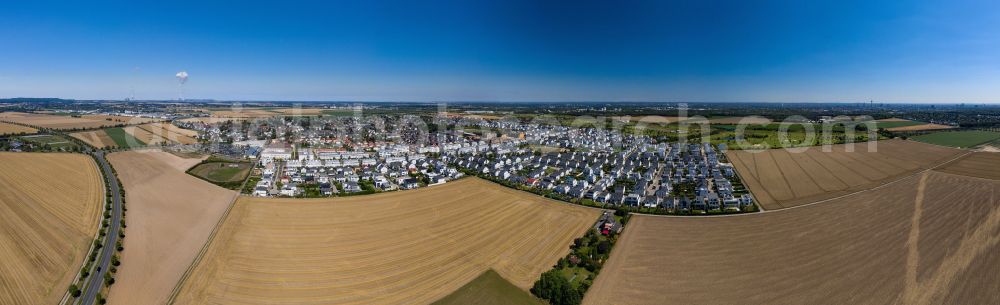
(122, 138)
(575, 275)
(962, 139)
(898, 124)
(222, 171)
(489, 289)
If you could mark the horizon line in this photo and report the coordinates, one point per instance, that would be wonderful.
(209, 100)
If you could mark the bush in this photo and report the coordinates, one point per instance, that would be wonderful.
(552, 286)
(108, 279)
(74, 290)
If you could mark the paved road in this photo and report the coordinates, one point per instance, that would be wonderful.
(104, 259)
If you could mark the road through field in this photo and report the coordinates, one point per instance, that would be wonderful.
(88, 297)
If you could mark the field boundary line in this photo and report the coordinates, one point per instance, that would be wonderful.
(828, 199)
(97, 234)
(201, 253)
(760, 208)
(211, 237)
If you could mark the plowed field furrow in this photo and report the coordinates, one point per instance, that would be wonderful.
(49, 210)
(782, 179)
(408, 247)
(907, 243)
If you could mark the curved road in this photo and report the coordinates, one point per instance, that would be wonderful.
(96, 279)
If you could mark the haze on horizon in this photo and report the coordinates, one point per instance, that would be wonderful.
(518, 50)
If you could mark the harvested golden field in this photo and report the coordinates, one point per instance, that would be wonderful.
(145, 136)
(174, 129)
(54, 121)
(920, 127)
(45, 234)
(170, 215)
(779, 178)
(933, 238)
(245, 113)
(169, 132)
(96, 138)
(979, 164)
(299, 111)
(130, 120)
(8, 128)
(210, 120)
(407, 247)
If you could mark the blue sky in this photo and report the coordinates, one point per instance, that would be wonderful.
(781, 51)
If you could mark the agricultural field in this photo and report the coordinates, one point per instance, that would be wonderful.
(246, 113)
(123, 139)
(738, 120)
(252, 113)
(407, 247)
(169, 133)
(921, 127)
(960, 139)
(979, 164)
(54, 121)
(170, 215)
(8, 129)
(130, 120)
(653, 119)
(95, 138)
(299, 111)
(210, 120)
(779, 178)
(757, 135)
(137, 135)
(225, 174)
(490, 289)
(145, 136)
(928, 239)
(45, 234)
(896, 123)
(52, 141)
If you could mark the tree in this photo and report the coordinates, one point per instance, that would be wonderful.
(603, 247)
(552, 286)
(74, 290)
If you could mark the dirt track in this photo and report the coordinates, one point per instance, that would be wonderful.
(407, 247)
(170, 215)
(928, 239)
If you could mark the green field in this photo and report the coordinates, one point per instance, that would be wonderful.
(53, 141)
(961, 139)
(122, 138)
(222, 171)
(489, 289)
(768, 135)
(898, 124)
